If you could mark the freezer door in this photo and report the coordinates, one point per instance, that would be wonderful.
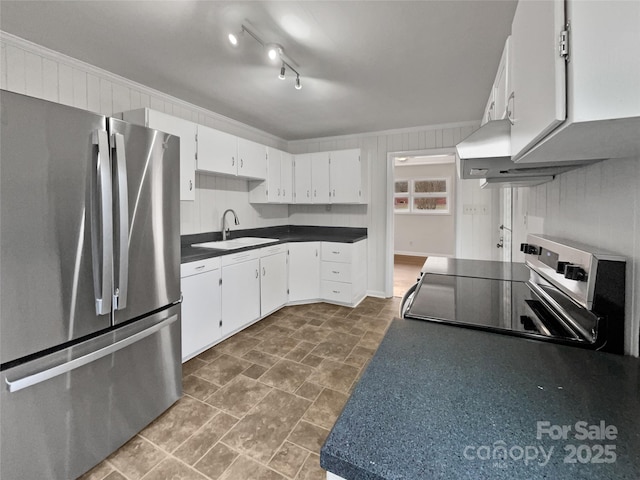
(64, 413)
(146, 199)
(52, 164)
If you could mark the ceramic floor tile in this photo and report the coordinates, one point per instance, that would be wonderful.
(200, 442)
(136, 458)
(278, 345)
(335, 375)
(371, 340)
(223, 369)
(197, 387)
(254, 371)
(210, 355)
(316, 322)
(261, 358)
(335, 351)
(286, 375)
(192, 365)
(216, 461)
(239, 395)
(309, 436)
(359, 356)
(325, 308)
(339, 324)
(115, 476)
(274, 331)
(325, 409)
(261, 432)
(311, 334)
(245, 468)
(312, 360)
(300, 351)
(294, 322)
(309, 390)
(311, 470)
(174, 470)
(238, 346)
(178, 423)
(289, 459)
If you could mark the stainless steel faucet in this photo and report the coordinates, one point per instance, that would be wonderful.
(225, 229)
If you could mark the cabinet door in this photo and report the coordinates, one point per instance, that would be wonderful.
(302, 179)
(538, 73)
(345, 176)
(320, 177)
(187, 132)
(489, 109)
(273, 175)
(217, 151)
(240, 296)
(200, 312)
(252, 159)
(286, 177)
(304, 271)
(273, 283)
(502, 84)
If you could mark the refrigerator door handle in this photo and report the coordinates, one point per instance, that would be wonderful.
(122, 278)
(36, 378)
(102, 225)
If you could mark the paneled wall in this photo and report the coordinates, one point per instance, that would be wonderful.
(598, 205)
(474, 233)
(33, 70)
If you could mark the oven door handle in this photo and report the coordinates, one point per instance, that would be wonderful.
(407, 299)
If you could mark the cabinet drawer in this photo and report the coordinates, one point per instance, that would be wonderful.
(240, 257)
(336, 271)
(336, 252)
(272, 250)
(336, 291)
(201, 266)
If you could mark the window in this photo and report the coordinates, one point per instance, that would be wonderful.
(422, 196)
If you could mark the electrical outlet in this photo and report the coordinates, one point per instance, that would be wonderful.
(482, 210)
(468, 209)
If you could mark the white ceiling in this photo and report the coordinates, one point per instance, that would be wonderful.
(365, 66)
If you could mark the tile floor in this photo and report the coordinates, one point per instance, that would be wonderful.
(260, 404)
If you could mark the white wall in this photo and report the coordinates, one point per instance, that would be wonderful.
(33, 70)
(598, 205)
(423, 234)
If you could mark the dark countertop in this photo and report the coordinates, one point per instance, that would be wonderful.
(476, 268)
(434, 392)
(284, 234)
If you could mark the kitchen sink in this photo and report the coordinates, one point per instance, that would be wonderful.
(235, 243)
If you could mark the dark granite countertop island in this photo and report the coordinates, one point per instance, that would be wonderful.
(444, 402)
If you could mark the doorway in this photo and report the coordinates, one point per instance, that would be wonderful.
(422, 212)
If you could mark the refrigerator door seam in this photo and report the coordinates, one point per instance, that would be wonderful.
(120, 163)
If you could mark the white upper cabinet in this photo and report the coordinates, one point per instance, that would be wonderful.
(279, 184)
(302, 190)
(184, 129)
(252, 159)
(320, 177)
(594, 52)
(345, 176)
(225, 154)
(502, 84)
(217, 151)
(538, 74)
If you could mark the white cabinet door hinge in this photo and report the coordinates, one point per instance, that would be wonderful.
(563, 42)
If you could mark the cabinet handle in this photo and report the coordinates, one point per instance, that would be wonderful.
(199, 268)
(315, 193)
(278, 192)
(316, 252)
(335, 253)
(506, 109)
(190, 185)
(491, 107)
(334, 192)
(264, 272)
(335, 291)
(241, 163)
(336, 272)
(257, 274)
(307, 193)
(233, 161)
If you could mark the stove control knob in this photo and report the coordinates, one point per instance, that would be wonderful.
(529, 249)
(561, 266)
(575, 272)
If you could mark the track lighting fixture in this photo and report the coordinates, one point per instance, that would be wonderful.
(274, 52)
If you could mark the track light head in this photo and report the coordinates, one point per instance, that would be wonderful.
(298, 84)
(274, 51)
(282, 71)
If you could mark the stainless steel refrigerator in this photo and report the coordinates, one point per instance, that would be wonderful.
(89, 285)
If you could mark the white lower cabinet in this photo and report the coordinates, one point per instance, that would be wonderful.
(304, 271)
(240, 290)
(273, 278)
(343, 272)
(200, 284)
